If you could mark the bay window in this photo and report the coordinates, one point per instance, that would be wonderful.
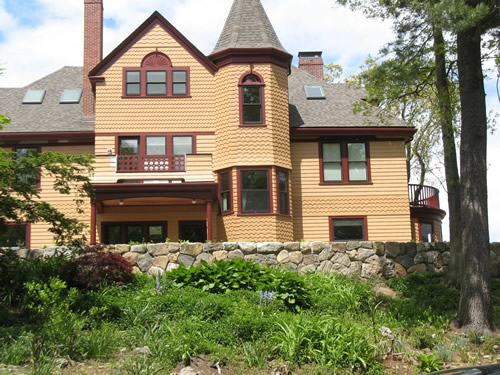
(255, 192)
(225, 192)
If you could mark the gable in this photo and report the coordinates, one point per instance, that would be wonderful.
(155, 22)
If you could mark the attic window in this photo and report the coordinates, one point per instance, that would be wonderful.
(72, 96)
(34, 97)
(314, 92)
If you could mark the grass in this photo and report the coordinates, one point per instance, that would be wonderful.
(151, 326)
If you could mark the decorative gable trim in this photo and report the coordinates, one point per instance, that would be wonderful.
(252, 56)
(155, 19)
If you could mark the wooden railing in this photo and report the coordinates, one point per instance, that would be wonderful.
(146, 163)
(423, 196)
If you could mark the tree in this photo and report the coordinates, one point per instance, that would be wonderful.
(468, 20)
(20, 199)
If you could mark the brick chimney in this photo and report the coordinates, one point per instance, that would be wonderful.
(312, 63)
(92, 50)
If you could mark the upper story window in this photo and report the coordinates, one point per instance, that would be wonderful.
(34, 97)
(27, 176)
(344, 162)
(156, 78)
(314, 92)
(225, 192)
(252, 110)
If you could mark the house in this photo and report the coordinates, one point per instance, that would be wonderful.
(237, 145)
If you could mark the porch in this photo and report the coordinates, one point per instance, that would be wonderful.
(138, 212)
(426, 214)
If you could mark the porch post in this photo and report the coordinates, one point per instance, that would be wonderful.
(93, 224)
(209, 221)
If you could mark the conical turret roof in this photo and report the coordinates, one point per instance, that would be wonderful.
(248, 26)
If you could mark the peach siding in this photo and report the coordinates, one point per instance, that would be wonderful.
(115, 114)
(252, 146)
(171, 214)
(415, 233)
(40, 235)
(384, 202)
(437, 230)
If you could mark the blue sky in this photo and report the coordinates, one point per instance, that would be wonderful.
(38, 37)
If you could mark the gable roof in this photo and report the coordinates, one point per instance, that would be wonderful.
(50, 115)
(155, 19)
(336, 110)
(247, 26)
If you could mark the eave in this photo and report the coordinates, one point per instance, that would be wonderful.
(61, 138)
(404, 133)
(252, 56)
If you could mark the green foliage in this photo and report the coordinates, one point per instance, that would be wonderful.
(429, 363)
(222, 276)
(255, 354)
(95, 270)
(333, 72)
(19, 197)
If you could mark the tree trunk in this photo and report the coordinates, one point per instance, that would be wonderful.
(475, 308)
(450, 159)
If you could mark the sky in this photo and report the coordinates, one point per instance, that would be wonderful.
(37, 37)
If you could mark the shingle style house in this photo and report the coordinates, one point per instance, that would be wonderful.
(237, 145)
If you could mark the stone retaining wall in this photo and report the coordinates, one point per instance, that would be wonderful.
(366, 258)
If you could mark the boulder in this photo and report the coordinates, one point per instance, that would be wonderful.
(220, 255)
(269, 247)
(435, 257)
(318, 247)
(173, 247)
(122, 248)
(248, 247)
(342, 259)
(235, 254)
(307, 268)
(366, 244)
(172, 266)
(145, 261)
(392, 249)
(326, 254)
(405, 261)
(355, 268)
(292, 246)
(131, 258)
(339, 247)
(141, 249)
(158, 249)
(339, 268)
(364, 254)
(372, 268)
(326, 267)
(296, 257)
(352, 245)
(186, 259)
(207, 257)
(379, 248)
(211, 247)
(262, 258)
(305, 248)
(156, 271)
(417, 268)
(311, 259)
(446, 258)
(283, 257)
(411, 249)
(160, 262)
(191, 249)
(228, 246)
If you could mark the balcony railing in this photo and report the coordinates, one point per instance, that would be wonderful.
(146, 163)
(423, 196)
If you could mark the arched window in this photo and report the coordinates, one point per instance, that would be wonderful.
(156, 78)
(252, 110)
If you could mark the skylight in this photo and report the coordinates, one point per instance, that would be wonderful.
(314, 92)
(34, 97)
(71, 96)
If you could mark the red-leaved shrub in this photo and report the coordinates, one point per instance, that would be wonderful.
(95, 270)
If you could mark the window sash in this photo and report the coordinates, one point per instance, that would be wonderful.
(358, 168)
(179, 82)
(27, 177)
(341, 161)
(133, 83)
(15, 235)
(426, 232)
(129, 146)
(348, 229)
(255, 194)
(252, 104)
(283, 193)
(225, 192)
(156, 145)
(182, 145)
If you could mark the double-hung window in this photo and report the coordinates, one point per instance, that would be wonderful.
(344, 162)
(15, 235)
(225, 192)
(283, 195)
(255, 192)
(348, 229)
(156, 77)
(252, 100)
(24, 173)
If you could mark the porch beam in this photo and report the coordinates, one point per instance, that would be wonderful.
(209, 221)
(93, 224)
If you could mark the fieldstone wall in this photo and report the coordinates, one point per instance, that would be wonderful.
(366, 258)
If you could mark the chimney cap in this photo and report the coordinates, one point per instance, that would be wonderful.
(309, 54)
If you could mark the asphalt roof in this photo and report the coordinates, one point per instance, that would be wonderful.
(49, 116)
(247, 26)
(335, 110)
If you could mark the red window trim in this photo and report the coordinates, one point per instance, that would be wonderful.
(142, 141)
(365, 226)
(38, 187)
(123, 226)
(28, 232)
(262, 86)
(345, 163)
(270, 186)
(161, 63)
(231, 205)
(433, 235)
(278, 190)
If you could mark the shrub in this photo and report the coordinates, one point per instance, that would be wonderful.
(223, 276)
(95, 270)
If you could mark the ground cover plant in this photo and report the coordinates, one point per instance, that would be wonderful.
(244, 318)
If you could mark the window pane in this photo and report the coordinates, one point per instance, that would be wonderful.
(254, 179)
(133, 89)
(255, 201)
(252, 114)
(283, 203)
(156, 89)
(348, 229)
(179, 76)
(331, 152)
(182, 145)
(179, 89)
(426, 232)
(129, 146)
(26, 151)
(224, 182)
(71, 96)
(156, 146)
(134, 233)
(356, 152)
(283, 183)
(225, 200)
(24, 174)
(133, 77)
(332, 171)
(34, 97)
(251, 78)
(283, 192)
(156, 77)
(14, 236)
(156, 234)
(251, 95)
(357, 171)
(113, 234)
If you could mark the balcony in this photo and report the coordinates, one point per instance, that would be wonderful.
(145, 163)
(423, 196)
